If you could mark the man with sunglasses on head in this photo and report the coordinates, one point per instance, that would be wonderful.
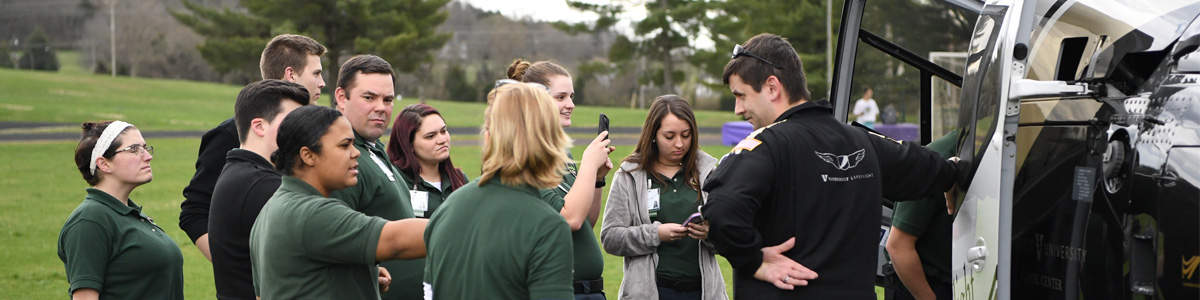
(801, 195)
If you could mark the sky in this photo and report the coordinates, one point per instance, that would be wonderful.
(557, 10)
(541, 10)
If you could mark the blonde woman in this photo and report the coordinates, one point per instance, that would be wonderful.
(576, 198)
(495, 238)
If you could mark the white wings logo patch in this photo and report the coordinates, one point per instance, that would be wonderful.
(843, 162)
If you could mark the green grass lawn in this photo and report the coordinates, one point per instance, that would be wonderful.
(73, 96)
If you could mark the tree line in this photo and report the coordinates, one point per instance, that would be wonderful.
(448, 50)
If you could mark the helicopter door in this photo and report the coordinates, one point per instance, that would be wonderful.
(977, 224)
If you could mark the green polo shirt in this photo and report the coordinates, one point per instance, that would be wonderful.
(589, 261)
(498, 242)
(927, 219)
(436, 195)
(677, 201)
(382, 195)
(119, 251)
(304, 245)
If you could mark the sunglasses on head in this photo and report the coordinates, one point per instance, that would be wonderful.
(739, 51)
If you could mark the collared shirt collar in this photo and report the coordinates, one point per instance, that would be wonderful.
(819, 105)
(373, 145)
(296, 185)
(249, 156)
(112, 202)
(524, 188)
(428, 187)
(572, 168)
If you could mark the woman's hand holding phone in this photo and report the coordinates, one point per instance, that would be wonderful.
(670, 232)
(698, 231)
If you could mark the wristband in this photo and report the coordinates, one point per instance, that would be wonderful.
(600, 183)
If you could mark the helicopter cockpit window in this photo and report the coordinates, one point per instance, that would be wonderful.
(898, 96)
(981, 97)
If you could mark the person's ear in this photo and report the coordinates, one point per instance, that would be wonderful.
(773, 88)
(340, 97)
(103, 166)
(258, 126)
(308, 157)
(288, 74)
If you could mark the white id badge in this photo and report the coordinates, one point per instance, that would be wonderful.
(420, 202)
(652, 202)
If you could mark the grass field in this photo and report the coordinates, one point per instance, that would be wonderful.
(73, 96)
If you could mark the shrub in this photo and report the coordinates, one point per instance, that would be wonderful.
(39, 55)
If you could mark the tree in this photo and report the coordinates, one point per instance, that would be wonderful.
(233, 40)
(459, 88)
(401, 31)
(5, 57)
(407, 38)
(801, 22)
(39, 55)
(667, 33)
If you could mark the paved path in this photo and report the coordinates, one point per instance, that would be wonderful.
(26, 131)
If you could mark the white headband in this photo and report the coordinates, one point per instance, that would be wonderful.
(110, 133)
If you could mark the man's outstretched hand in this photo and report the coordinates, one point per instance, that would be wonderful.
(782, 271)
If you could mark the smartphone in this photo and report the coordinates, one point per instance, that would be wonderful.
(603, 124)
(694, 218)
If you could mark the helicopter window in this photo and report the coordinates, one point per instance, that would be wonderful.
(981, 96)
(942, 26)
(912, 70)
(1069, 56)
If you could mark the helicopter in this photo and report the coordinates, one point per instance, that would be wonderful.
(1079, 124)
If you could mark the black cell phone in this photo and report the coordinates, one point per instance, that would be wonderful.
(694, 218)
(603, 124)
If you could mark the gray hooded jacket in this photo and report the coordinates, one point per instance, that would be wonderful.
(627, 231)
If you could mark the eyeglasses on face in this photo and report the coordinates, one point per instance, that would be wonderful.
(739, 51)
(137, 149)
(502, 82)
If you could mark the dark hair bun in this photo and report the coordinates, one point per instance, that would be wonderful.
(90, 128)
(516, 71)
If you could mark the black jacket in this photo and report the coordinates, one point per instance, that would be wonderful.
(193, 216)
(245, 185)
(821, 181)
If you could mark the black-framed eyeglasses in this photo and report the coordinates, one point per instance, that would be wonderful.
(136, 149)
(739, 51)
(502, 82)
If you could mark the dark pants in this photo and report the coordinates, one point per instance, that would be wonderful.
(592, 296)
(898, 291)
(666, 293)
(589, 290)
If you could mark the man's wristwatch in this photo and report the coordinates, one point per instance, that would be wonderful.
(600, 183)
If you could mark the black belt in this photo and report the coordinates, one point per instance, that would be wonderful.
(589, 286)
(685, 285)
